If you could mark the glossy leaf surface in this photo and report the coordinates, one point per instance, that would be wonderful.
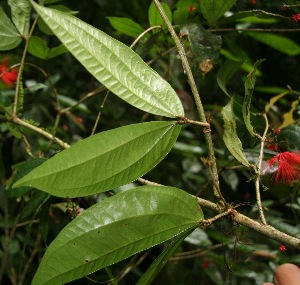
(105, 160)
(119, 68)
(115, 229)
(230, 136)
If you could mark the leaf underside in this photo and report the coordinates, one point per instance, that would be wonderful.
(114, 64)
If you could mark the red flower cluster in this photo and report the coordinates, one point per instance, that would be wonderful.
(8, 76)
(295, 17)
(288, 167)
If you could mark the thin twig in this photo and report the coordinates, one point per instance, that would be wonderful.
(27, 38)
(252, 30)
(90, 94)
(40, 131)
(258, 173)
(99, 113)
(265, 230)
(143, 33)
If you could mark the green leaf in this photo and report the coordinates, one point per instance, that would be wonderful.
(104, 161)
(249, 88)
(20, 13)
(155, 18)
(225, 73)
(115, 229)
(230, 136)
(56, 51)
(291, 136)
(154, 269)
(22, 170)
(38, 48)
(34, 205)
(280, 43)
(212, 10)
(126, 26)
(9, 36)
(119, 68)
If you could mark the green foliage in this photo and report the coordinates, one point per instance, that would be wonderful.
(20, 12)
(38, 47)
(126, 26)
(162, 213)
(104, 57)
(280, 43)
(230, 136)
(9, 36)
(73, 155)
(249, 88)
(212, 10)
(119, 157)
(155, 18)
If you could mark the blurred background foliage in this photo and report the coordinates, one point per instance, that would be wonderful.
(223, 253)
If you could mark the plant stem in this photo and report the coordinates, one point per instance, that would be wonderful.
(40, 131)
(207, 130)
(258, 172)
(17, 92)
(111, 277)
(142, 34)
(265, 230)
(253, 30)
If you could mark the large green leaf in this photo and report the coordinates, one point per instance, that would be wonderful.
(104, 161)
(278, 42)
(230, 136)
(212, 10)
(126, 26)
(9, 36)
(20, 13)
(162, 259)
(249, 88)
(119, 68)
(115, 229)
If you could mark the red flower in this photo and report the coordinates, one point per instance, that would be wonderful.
(192, 8)
(252, 2)
(295, 17)
(288, 167)
(8, 76)
(282, 247)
